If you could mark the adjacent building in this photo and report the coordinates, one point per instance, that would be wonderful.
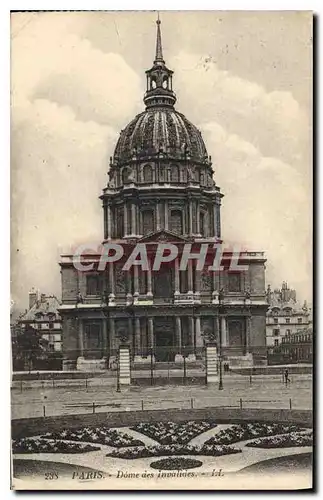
(161, 189)
(285, 316)
(43, 315)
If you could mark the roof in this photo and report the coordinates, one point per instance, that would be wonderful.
(44, 307)
(160, 128)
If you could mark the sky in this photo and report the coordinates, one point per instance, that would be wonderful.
(77, 79)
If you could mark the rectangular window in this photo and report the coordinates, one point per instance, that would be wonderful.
(275, 321)
(276, 332)
(51, 325)
(288, 320)
(287, 332)
(299, 320)
(93, 284)
(234, 283)
(276, 342)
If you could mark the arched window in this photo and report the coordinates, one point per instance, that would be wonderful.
(174, 173)
(147, 173)
(126, 174)
(176, 221)
(147, 222)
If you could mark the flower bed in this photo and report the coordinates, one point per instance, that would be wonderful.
(173, 433)
(178, 463)
(284, 441)
(100, 435)
(171, 450)
(243, 432)
(39, 445)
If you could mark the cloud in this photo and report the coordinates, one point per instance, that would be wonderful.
(274, 122)
(66, 114)
(266, 206)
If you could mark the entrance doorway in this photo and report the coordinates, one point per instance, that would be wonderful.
(237, 336)
(164, 331)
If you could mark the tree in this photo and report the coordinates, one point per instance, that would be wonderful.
(28, 346)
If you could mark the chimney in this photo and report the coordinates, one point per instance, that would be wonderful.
(33, 297)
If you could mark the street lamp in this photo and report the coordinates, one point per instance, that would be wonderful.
(221, 294)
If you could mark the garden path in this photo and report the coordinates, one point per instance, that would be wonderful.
(137, 435)
(200, 440)
(228, 463)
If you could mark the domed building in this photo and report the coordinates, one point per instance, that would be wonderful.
(161, 188)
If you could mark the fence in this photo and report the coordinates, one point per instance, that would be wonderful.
(58, 408)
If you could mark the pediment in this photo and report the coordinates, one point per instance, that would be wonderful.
(163, 236)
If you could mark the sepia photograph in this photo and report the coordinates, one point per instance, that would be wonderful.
(161, 198)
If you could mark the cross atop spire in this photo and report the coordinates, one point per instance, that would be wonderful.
(159, 48)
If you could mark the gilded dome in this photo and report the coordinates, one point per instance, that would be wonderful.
(160, 129)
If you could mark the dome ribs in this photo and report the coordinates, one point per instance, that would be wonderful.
(172, 132)
(157, 127)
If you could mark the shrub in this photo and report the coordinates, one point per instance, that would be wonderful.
(99, 435)
(174, 433)
(29, 445)
(250, 430)
(171, 450)
(178, 463)
(284, 441)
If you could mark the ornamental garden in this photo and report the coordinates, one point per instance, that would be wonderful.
(178, 446)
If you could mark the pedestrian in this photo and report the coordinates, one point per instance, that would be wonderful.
(287, 380)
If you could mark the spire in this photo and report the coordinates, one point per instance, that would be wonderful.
(159, 79)
(159, 48)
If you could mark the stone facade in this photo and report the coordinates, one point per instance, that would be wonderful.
(43, 315)
(161, 189)
(285, 316)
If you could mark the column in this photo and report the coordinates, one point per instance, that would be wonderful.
(198, 218)
(129, 287)
(190, 276)
(137, 337)
(158, 215)
(191, 331)
(248, 330)
(166, 214)
(224, 331)
(135, 282)
(125, 219)
(151, 332)
(81, 338)
(177, 284)
(198, 336)
(197, 282)
(104, 338)
(130, 330)
(133, 220)
(179, 334)
(215, 216)
(109, 225)
(112, 339)
(149, 283)
(112, 284)
(190, 222)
